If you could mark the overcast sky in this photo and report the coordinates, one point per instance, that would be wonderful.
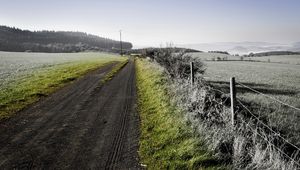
(155, 22)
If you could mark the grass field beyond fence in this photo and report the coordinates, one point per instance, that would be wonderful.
(280, 81)
(281, 59)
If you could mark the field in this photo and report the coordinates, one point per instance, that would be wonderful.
(213, 56)
(14, 66)
(283, 59)
(280, 81)
(25, 77)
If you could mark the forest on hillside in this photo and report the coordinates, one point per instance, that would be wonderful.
(14, 39)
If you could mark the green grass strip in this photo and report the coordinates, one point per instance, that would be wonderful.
(44, 82)
(166, 141)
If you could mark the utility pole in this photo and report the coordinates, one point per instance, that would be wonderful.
(121, 42)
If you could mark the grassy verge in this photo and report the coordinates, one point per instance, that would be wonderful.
(44, 82)
(166, 141)
(116, 69)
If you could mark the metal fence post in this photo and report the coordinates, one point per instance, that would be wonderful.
(192, 73)
(233, 100)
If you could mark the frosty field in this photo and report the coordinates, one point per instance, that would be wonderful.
(15, 66)
(282, 59)
(280, 81)
(25, 77)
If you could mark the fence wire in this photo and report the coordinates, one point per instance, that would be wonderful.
(218, 91)
(268, 127)
(278, 149)
(265, 125)
(273, 98)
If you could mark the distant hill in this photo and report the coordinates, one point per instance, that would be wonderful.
(14, 39)
(273, 53)
(243, 47)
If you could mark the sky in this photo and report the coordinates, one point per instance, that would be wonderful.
(157, 22)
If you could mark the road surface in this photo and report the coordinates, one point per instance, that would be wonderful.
(82, 126)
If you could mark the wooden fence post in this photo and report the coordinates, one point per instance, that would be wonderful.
(233, 100)
(192, 73)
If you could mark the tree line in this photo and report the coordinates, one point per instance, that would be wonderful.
(269, 53)
(14, 39)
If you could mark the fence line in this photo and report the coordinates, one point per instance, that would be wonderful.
(257, 118)
(268, 96)
(272, 144)
(261, 122)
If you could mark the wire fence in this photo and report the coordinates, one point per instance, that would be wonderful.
(265, 125)
(270, 97)
(274, 146)
(259, 121)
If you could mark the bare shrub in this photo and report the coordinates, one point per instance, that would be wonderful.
(177, 65)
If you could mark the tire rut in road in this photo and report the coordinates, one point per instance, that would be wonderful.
(114, 156)
(107, 141)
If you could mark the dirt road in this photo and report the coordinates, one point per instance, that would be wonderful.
(82, 126)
